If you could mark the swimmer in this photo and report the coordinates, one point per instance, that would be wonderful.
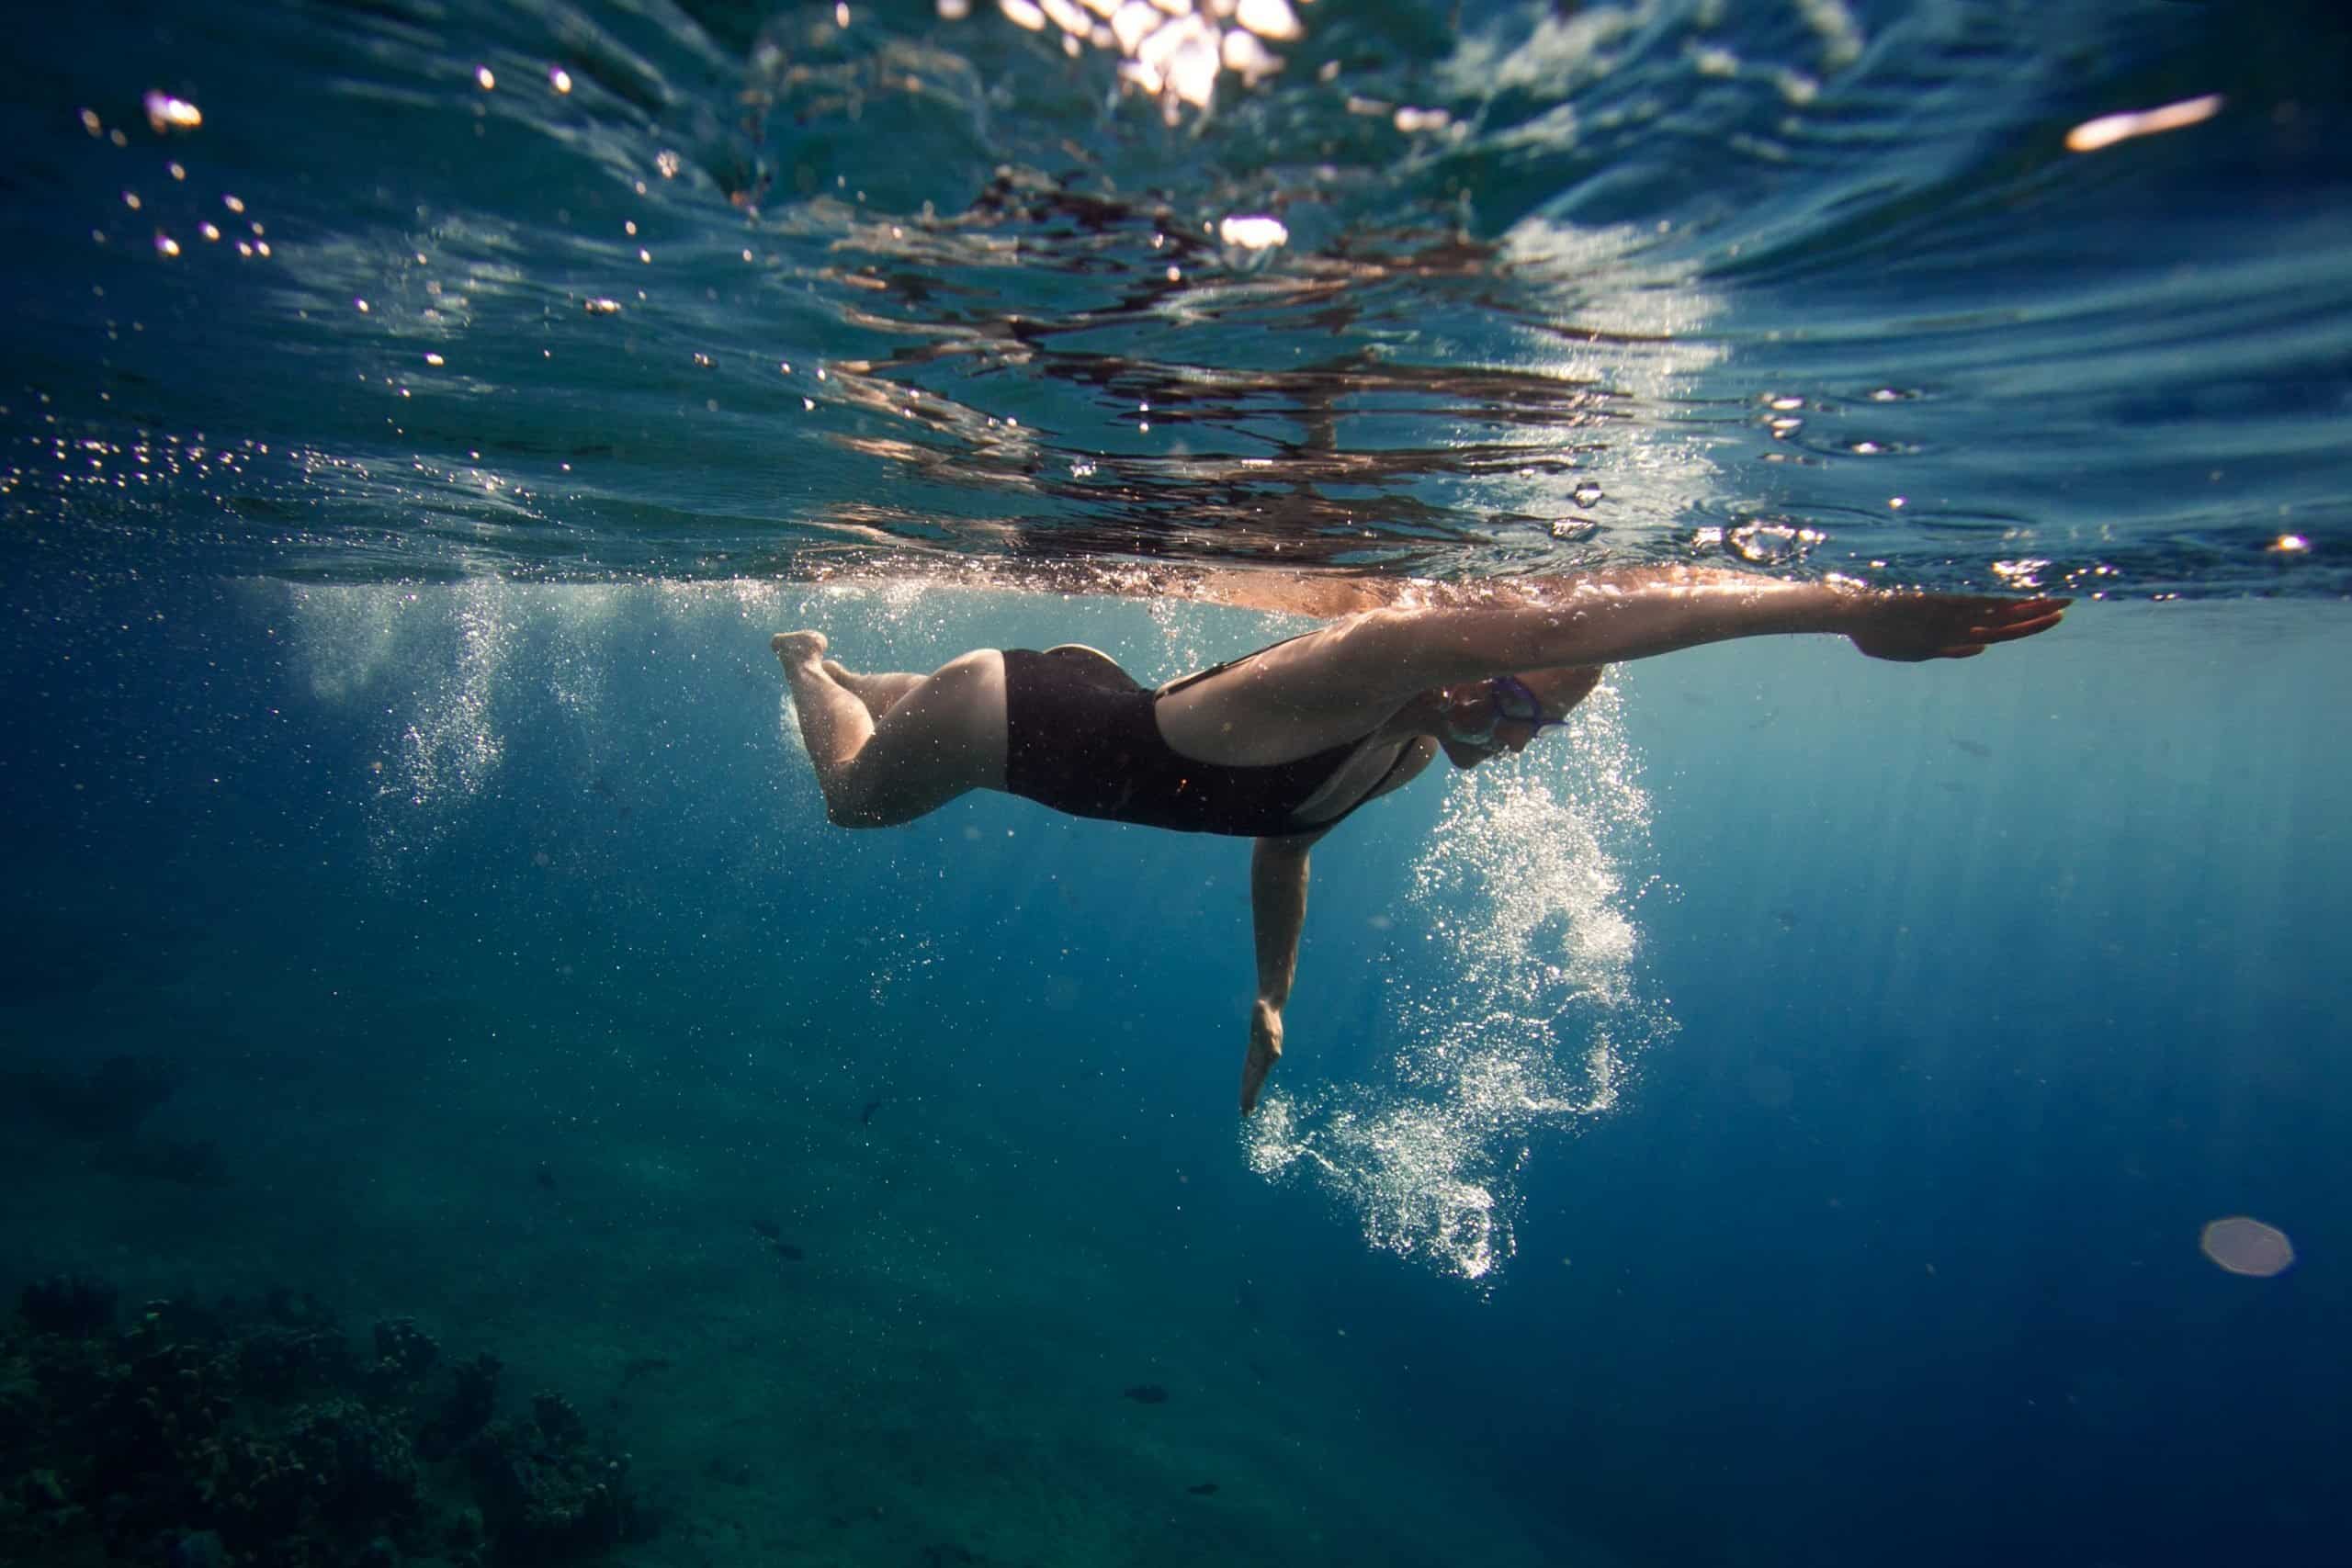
(1283, 744)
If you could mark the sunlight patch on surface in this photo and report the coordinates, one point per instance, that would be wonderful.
(2108, 129)
(1532, 1023)
(1169, 49)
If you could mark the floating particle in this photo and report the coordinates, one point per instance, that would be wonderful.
(2245, 1246)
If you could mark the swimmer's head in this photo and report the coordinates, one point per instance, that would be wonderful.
(1481, 718)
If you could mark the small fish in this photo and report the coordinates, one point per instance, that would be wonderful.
(1147, 1394)
(769, 1231)
(1973, 748)
(1206, 1489)
(866, 1119)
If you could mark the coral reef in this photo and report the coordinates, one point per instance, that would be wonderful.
(472, 1398)
(259, 1436)
(547, 1493)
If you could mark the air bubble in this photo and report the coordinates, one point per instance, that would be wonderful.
(1771, 544)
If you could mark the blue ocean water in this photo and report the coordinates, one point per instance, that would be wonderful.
(1777, 1122)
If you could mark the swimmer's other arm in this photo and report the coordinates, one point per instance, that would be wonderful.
(1277, 912)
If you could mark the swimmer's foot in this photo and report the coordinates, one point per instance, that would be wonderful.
(798, 647)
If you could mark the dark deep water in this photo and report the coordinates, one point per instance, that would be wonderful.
(1776, 1125)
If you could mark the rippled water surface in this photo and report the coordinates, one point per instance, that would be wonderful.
(413, 290)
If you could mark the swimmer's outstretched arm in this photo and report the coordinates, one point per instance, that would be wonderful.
(1607, 617)
(1629, 613)
(1333, 685)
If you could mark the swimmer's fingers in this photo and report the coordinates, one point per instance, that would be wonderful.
(2016, 618)
(1910, 629)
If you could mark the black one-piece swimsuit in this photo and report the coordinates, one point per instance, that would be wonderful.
(1081, 736)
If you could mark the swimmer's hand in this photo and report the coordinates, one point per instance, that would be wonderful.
(1265, 1050)
(1913, 628)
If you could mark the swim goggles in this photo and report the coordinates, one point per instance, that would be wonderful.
(1512, 702)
